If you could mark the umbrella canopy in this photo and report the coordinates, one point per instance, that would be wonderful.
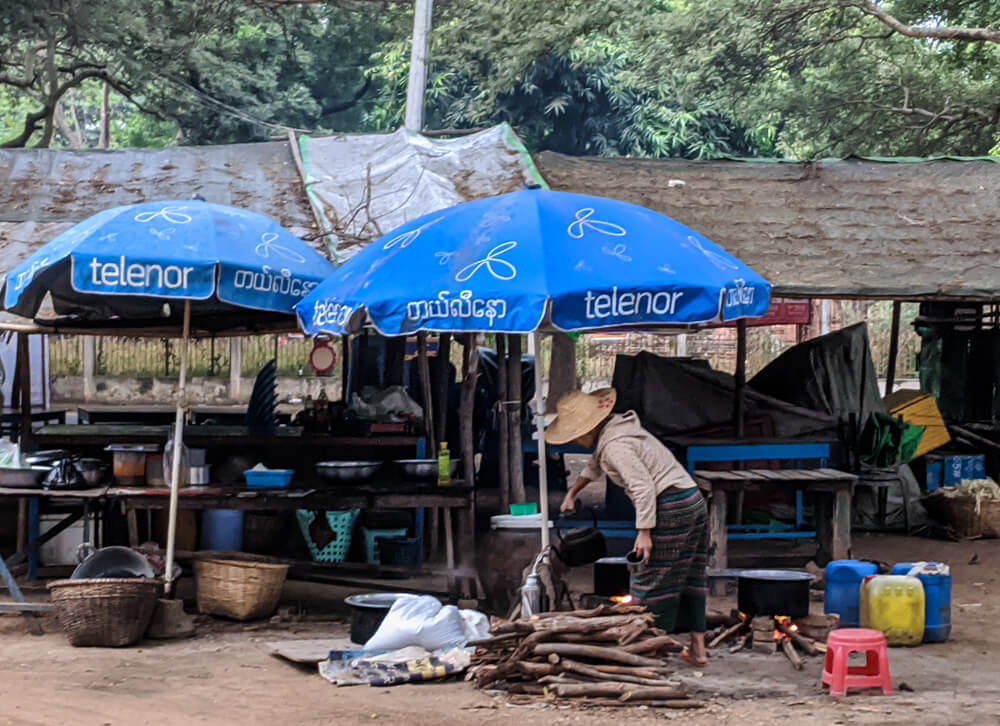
(515, 262)
(123, 264)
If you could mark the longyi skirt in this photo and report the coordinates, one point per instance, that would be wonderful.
(673, 584)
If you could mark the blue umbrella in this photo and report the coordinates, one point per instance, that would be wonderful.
(518, 261)
(124, 266)
(530, 259)
(121, 265)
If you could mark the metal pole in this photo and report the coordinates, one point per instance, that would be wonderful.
(175, 459)
(417, 84)
(543, 474)
(890, 374)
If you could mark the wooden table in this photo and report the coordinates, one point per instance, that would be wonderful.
(459, 532)
(832, 490)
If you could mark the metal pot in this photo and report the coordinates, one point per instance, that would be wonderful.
(368, 611)
(346, 472)
(774, 592)
(423, 469)
(611, 576)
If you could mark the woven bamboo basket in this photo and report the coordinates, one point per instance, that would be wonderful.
(964, 517)
(237, 589)
(110, 612)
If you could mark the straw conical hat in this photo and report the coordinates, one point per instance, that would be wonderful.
(578, 413)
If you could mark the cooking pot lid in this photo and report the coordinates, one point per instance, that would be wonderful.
(776, 575)
(612, 561)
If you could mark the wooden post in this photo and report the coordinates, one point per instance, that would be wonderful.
(503, 452)
(739, 407)
(467, 518)
(890, 374)
(428, 395)
(841, 525)
(442, 383)
(89, 363)
(345, 367)
(24, 383)
(514, 385)
(235, 367)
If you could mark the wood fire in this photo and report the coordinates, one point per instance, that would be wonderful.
(766, 633)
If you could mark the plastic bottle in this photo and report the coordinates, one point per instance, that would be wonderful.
(444, 465)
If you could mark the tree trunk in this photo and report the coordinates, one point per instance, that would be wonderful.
(104, 140)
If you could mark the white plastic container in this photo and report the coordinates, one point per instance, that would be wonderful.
(61, 549)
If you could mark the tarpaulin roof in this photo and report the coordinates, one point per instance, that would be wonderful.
(367, 185)
(863, 228)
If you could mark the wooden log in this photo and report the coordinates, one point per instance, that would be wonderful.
(655, 693)
(578, 690)
(528, 689)
(715, 619)
(537, 670)
(801, 641)
(641, 672)
(595, 652)
(591, 625)
(494, 641)
(598, 611)
(727, 633)
(741, 645)
(793, 656)
(659, 643)
(582, 669)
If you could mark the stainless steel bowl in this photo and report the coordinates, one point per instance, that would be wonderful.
(344, 472)
(423, 469)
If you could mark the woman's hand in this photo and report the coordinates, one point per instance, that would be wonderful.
(568, 503)
(644, 545)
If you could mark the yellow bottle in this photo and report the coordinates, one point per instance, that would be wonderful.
(444, 465)
(894, 605)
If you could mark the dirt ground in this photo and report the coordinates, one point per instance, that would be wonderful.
(225, 675)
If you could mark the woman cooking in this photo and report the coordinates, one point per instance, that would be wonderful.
(670, 513)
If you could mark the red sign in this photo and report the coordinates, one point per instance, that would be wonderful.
(783, 311)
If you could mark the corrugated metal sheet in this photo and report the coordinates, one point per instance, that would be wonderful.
(853, 228)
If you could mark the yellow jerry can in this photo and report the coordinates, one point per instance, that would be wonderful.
(894, 605)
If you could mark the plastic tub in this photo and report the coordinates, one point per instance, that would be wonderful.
(521, 510)
(270, 479)
(368, 611)
(222, 529)
(400, 551)
(372, 539)
(843, 589)
(937, 597)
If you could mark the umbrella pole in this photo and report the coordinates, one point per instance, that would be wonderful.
(543, 473)
(175, 459)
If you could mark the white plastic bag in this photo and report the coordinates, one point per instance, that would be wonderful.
(419, 621)
(475, 624)
(10, 455)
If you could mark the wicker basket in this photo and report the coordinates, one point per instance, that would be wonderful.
(108, 612)
(964, 517)
(240, 590)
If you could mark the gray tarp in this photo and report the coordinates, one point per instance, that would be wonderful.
(811, 390)
(366, 185)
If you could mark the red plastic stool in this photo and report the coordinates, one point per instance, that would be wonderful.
(874, 674)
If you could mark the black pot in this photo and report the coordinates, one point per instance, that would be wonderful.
(611, 576)
(774, 592)
(368, 611)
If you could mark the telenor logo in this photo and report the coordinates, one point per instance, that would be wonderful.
(138, 275)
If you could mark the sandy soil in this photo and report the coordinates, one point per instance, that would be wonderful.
(225, 676)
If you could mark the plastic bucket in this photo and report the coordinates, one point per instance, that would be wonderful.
(222, 529)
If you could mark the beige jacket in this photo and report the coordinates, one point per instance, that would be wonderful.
(635, 460)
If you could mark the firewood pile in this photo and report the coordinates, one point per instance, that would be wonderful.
(609, 655)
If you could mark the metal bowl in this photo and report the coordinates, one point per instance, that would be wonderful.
(423, 469)
(28, 477)
(93, 471)
(345, 472)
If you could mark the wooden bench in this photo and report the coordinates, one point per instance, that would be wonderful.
(832, 490)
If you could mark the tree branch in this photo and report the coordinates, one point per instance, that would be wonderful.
(972, 35)
(33, 119)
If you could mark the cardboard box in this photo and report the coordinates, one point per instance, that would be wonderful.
(920, 409)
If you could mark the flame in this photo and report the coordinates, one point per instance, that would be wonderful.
(794, 628)
(621, 599)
